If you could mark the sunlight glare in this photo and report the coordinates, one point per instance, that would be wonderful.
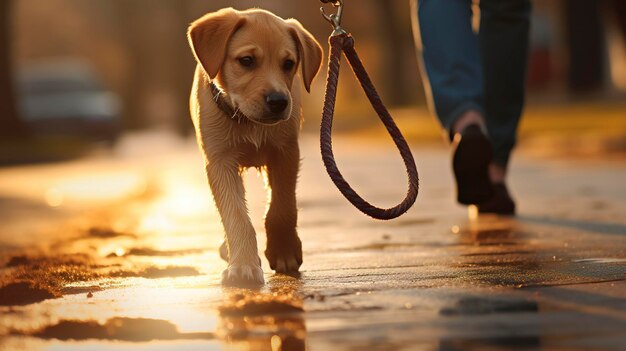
(102, 187)
(54, 197)
(472, 212)
(276, 343)
(156, 223)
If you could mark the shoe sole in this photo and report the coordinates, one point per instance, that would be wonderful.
(470, 163)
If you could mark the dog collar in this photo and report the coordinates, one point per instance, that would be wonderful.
(230, 111)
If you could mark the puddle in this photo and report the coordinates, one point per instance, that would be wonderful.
(119, 329)
(256, 304)
(263, 333)
(494, 343)
(482, 306)
(269, 321)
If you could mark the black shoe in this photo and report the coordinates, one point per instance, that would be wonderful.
(472, 156)
(501, 203)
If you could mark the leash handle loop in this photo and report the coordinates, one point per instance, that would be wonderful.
(344, 43)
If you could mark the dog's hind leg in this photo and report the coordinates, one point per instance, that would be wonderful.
(284, 248)
(244, 265)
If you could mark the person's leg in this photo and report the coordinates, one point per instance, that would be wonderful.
(450, 61)
(453, 79)
(504, 32)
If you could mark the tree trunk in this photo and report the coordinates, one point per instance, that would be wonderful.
(161, 66)
(10, 124)
(394, 39)
(586, 46)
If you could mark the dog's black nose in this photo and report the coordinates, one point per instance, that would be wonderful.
(277, 102)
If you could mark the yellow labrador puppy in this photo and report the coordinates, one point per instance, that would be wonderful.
(246, 111)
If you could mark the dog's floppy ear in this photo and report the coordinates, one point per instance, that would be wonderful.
(309, 50)
(209, 37)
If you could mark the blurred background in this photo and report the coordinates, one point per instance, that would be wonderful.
(78, 75)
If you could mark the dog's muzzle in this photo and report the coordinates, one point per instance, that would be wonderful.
(275, 106)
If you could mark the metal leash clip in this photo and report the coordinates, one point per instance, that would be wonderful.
(335, 18)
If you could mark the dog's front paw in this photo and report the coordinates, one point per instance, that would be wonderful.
(284, 256)
(244, 275)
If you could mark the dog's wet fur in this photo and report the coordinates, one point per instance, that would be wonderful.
(254, 57)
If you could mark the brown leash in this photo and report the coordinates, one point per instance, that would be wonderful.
(340, 41)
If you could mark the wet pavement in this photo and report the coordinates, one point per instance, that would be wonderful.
(120, 252)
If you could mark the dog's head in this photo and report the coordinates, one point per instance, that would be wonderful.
(254, 56)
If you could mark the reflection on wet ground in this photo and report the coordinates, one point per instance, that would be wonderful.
(143, 271)
(270, 320)
(478, 306)
(121, 329)
(584, 226)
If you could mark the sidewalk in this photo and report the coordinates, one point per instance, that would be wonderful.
(135, 266)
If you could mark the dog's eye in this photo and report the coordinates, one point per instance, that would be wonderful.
(288, 65)
(246, 61)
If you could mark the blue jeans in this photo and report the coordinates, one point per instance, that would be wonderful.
(469, 71)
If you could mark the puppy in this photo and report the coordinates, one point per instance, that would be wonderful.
(246, 110)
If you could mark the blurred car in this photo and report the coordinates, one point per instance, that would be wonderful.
(67, 98)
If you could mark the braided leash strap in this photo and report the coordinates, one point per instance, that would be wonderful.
(345, 43)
